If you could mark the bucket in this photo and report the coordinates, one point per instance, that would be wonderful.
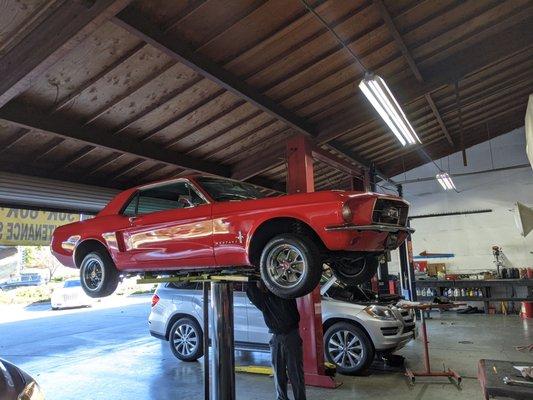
(526, 310)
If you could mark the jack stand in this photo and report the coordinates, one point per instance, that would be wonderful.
(448, 373)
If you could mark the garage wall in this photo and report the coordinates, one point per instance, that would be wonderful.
(470, 237)
(27, 191)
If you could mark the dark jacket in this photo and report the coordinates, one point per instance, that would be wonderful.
(281, 315)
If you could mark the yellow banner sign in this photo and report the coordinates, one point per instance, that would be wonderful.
(19, 227)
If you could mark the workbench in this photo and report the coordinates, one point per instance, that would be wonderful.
(491, 374)
(494, 290)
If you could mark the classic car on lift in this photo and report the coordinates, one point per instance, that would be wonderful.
(208, 224)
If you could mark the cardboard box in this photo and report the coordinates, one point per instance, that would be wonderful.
(434, 269)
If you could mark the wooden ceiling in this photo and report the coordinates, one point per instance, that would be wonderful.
(117, 93)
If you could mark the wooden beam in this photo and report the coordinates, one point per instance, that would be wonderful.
(458, 65)
(398, 39)
(411, 62)
(104, 163)
(91, 81)
(143, 82)
(49, 147)
(148, 135)
(165, 99)
(139, 26)
(66, 27)
(126, 168)
(437, 116)
(334, 161)
(38, 120)
(14, 139)
(83, 152)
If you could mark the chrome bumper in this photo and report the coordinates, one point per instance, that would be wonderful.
(373, 228)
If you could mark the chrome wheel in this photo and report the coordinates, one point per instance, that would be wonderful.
(345, 349)
(286, 265)
(92, 273)
(185, 340)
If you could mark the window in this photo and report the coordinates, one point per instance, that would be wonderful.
(131, 208)
(228, 190)
(165, 197)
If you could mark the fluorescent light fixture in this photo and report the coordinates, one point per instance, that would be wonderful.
(378, 93)
(445, 181)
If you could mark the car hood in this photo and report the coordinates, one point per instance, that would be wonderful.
(12, 380)
(353, 308)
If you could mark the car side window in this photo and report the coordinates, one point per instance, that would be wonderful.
(167, 197)
(131, 209)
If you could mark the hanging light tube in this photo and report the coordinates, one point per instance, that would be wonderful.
(445, 181)
(378, 93)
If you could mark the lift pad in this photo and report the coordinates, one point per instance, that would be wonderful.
(149, 278)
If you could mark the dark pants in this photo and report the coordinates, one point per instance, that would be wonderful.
(287, 362)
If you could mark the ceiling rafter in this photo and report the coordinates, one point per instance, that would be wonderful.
(64, 28)
(412, 64)
(19, 115)
(139, 26)
(180, 51)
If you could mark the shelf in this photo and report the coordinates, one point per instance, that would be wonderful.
(479, 298)
(475, 283)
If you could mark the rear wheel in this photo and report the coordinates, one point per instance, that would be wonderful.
(291, 266)
(186, 339)
(98, 275)
(348, 347)
(354, 269)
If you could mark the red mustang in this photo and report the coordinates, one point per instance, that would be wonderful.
(207, 224)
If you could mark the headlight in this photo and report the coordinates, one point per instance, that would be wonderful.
(31, 391)
(346, 212)
(379, 312)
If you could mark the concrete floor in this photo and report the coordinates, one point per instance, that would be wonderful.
(106, 353)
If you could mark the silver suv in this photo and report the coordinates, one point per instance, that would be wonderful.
(353, 330)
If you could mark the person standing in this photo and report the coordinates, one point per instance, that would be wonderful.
(282, 319)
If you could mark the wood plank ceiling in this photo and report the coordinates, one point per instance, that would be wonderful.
(120, 93)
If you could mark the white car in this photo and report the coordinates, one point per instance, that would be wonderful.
(70, 295)
(354, 330)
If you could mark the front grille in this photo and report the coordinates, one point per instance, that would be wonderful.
(391, 212)
(409, 328)
(389, 331)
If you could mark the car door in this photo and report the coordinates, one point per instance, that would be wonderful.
(257, 329)
(171, 226)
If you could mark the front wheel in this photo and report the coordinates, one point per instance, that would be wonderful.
(98, 274)
(291, 266)
(186, 339)
(348, 347)
(353, 268)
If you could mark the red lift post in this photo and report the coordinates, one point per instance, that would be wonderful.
(300, 179)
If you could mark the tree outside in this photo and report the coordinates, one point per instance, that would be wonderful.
(40, 257)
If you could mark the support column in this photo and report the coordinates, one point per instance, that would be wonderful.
(407, 271)
(300, 179)
(223, 365)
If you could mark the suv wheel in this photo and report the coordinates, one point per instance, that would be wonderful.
(291, 266)
(354, 269)
(98, 275)
(186, 339)
(348, 347)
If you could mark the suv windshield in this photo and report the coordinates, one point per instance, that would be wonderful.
(228, 190)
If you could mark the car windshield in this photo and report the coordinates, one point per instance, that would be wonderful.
(72, 284)
(228, 190)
